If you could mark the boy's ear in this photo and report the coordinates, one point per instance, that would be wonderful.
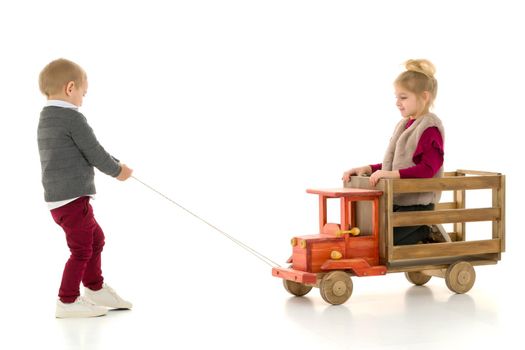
(69, 88)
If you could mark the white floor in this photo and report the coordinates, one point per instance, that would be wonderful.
(216, 295)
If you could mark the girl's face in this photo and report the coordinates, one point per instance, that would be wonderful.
(407, 102)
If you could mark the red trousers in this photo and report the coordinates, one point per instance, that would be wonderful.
(85, 240)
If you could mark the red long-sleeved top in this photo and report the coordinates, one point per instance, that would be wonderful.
(428, 156)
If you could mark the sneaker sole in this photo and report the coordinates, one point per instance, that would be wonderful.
(79, 314)
(116, 307)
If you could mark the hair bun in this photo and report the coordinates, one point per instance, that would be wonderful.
(422, 66)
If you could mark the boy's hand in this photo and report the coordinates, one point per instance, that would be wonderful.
(364, 170)
(125, 172)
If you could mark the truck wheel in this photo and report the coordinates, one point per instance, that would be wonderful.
(460, 277)
(417, 278)
(295, 288)
(336, 287)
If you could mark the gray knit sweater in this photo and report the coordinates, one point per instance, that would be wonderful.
(68, 152)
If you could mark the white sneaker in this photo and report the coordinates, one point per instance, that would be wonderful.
(79, 308)
(107, 297)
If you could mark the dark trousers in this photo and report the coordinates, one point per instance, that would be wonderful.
(85, 240)
(411, 234)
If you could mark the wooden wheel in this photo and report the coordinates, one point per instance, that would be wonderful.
(460, 277)
(336, 287)
(417, 278)
(295, 288)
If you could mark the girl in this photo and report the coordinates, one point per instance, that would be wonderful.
(415, 149)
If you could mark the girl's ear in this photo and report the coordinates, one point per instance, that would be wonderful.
(423, 102)
(426, 97)
(69, 88)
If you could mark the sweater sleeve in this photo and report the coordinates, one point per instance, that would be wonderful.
(428, 156)
(87, 143)
(376, 167)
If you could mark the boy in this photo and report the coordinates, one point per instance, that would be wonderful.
(68, 152)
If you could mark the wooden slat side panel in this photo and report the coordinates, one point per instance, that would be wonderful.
(475, 172)
(446, 184)
(444, 216)
(446, 205)
(460, 228)
(383, 222)
(389, 227)
(443, 263)
(498, 200)
(437, 250)
(502, 206)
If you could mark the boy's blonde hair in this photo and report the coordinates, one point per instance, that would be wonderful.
(418, 78)
(59, 73)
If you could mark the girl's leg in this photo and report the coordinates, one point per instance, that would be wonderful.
(411, 234)
(415, 235)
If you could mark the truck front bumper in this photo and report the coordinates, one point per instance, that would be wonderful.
(295, 275)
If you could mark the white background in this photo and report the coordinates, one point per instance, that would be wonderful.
(233, 109)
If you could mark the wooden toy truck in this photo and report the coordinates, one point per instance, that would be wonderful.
(328, 260)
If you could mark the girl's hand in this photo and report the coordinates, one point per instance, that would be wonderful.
(383, 174)
(364, 170)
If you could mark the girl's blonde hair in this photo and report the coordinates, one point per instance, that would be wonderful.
(58, 74)
(418, 78)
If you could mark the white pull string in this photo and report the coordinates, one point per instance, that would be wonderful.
(252, 251)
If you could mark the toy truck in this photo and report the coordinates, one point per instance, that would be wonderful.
(361, 244)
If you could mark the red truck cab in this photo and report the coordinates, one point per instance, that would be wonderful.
(338, 249)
